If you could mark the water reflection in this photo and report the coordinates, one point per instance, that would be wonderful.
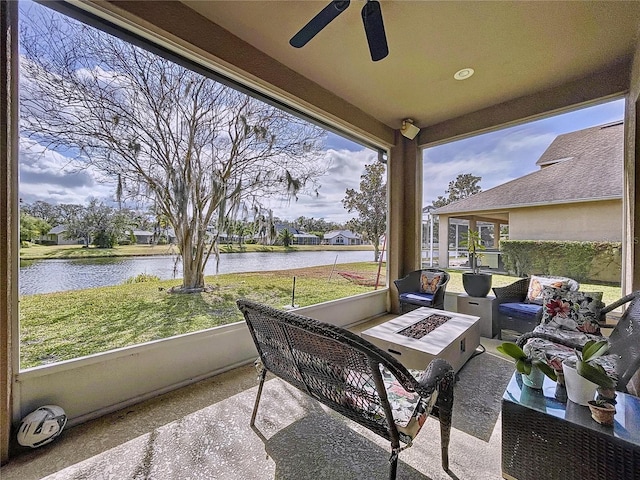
(45, 276)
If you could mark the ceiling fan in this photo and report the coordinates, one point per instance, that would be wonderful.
(371, 17)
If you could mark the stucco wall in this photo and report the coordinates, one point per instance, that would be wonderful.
(589, 221)
(631, 180)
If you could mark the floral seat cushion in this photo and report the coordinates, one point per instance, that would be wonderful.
(410, 410)
(577, 311)
(555, 354)
(576, 337)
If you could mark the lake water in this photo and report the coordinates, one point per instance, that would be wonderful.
(44, 276)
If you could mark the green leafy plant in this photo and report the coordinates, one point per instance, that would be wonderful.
(592, 371)
(473, 243)
(524, 362)
(602, 403)
(578, 260)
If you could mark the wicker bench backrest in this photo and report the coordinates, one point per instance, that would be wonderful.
(625, 341)
(331, 364)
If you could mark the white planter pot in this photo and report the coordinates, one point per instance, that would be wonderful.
(579, 389)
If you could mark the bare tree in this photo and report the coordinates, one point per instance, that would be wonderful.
(200, 151)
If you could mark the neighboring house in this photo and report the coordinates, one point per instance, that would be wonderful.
(144, 237)
(169, 234)
(299, 237)
(576, 195)
(305, 239)
(342, 237)
(58, 235)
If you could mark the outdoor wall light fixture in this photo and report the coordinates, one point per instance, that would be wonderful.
(408, 129)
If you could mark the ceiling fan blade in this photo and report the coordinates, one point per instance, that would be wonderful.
(374, 28)
(317, 23)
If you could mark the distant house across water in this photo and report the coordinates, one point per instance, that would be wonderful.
(342, 237)
(299, 236)
(57, 235)
(143, 237)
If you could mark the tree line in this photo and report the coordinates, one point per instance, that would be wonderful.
(103, 226)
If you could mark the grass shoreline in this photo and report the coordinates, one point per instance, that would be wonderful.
(66, 325)
(51, 252)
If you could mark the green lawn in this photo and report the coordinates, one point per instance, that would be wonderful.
(610, 293)
(67, 325)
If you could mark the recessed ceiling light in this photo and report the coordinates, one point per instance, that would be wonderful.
(463, 74)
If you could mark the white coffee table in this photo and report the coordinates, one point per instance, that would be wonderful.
(455, 340)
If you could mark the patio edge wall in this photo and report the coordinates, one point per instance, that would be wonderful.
(92, 386)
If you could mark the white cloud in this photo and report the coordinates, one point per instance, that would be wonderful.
(344, 172)
(497, 158)
(49, 176)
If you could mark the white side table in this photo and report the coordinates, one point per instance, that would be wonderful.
(483, 307)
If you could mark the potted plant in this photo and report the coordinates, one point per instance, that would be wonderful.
(532, 369)
(585, 377)
(476, 284)
(602, 411)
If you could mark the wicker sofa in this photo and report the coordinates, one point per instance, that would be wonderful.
(515, 311)
(413, 293)
(351, 376)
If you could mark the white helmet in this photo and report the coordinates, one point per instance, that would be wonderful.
(41, 426)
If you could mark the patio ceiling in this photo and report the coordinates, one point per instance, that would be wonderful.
(518, 49)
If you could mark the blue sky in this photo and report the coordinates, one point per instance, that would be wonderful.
(504, 155)
(497, 157)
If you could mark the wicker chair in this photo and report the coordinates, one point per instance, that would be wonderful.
(351, 376)
(513, 311)
(624, 339)
(410, 295)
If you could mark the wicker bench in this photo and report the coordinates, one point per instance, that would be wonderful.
(351, 376)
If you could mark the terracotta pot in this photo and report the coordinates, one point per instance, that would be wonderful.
(603, 414)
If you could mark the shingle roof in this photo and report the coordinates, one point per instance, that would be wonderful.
(595, 141)
(590, 167)
(344, 233)
(57, 230)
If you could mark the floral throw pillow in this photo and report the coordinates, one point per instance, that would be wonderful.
(537, 284)
(577, 311)
(429, 282)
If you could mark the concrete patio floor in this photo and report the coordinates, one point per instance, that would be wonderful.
(202, 431)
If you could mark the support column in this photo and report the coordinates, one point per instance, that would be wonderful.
(443, 241)
(631, 227)
(405, 211)
(496, 236)
(8, 217)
